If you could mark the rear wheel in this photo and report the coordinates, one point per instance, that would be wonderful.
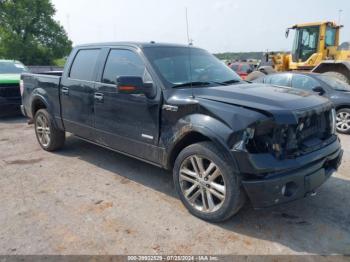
(206, 183)
(49, 137)
(343, 121)
(338, 75)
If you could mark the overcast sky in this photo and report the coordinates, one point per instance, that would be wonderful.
(218, 26)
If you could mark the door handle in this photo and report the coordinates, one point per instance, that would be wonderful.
(65, 90)
(98, 97)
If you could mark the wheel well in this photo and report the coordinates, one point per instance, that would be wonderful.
(189, 139)
(342, 107)
(340, 68)
(36, 105)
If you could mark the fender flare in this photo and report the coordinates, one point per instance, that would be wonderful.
(38, 97)
(207, 132)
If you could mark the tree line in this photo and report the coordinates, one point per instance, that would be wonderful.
(239, 55)
(29, 33)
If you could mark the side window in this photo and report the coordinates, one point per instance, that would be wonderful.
(304, 82)
(267, 79)
(260, 80)
(279, 80)
(122, 63)
(330, 36)
(84, 64)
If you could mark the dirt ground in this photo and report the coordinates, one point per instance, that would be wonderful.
(87, 200)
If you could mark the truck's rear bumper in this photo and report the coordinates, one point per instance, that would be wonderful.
(296, 181)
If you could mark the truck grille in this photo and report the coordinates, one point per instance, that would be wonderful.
(9, 90)
(290, 141)
(309, 134)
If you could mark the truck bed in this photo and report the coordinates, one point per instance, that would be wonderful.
(45, 86)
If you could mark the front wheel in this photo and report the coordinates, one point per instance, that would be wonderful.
(343, 121)
(48, 135)
(206, 183)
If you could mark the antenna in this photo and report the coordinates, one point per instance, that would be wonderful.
(68, 24)
(188, 34)
(339, 16)
(189, 53)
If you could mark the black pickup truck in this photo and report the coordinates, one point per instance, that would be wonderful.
(180, 108)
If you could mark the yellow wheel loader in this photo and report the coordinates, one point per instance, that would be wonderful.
(316, 48)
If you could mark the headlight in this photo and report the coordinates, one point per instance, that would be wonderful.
(21, 86)
(333, 121)
(247, 135)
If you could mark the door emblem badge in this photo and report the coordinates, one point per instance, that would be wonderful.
(170, 108)
(147, 136)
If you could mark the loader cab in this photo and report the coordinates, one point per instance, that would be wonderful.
(305, 43)
(316, 38)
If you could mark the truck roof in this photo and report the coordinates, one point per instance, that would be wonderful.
(132, 44)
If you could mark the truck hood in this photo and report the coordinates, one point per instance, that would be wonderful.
(284, 104)
(9, 78)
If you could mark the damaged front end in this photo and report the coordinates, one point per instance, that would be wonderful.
(278, 158)
(312, 130)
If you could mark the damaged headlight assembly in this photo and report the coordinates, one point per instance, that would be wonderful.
(262, 137)
(247, 135)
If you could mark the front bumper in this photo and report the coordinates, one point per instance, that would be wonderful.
(9, 105)
(23, 111)
(280, 181)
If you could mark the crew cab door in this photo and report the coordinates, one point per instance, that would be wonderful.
(126, 122)
(77, 92)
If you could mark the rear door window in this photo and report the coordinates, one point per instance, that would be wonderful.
(83, 67)
(304, 82)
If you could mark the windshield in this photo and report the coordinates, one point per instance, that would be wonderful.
(235, 67)
(335, 83)
(245, 68)
(178, 66)
(305, 43)
(10, 67)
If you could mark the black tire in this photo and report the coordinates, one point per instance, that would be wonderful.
(254, 75)
(343, 113)
(337, 75)
(234, 194)
(56, 137)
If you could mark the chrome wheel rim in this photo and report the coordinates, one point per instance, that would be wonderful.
(202, 184)
(43, 130)
(343, 121)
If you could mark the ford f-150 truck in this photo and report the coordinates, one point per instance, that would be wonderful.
(180, 108)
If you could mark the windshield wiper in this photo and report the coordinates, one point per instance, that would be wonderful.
(202, 83)
(206, 83)
(194, 83)
(232, 81)
(342, 90)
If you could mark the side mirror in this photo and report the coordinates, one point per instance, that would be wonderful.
(135, 85)
(287, 33)
(249, 71)
(319, 90)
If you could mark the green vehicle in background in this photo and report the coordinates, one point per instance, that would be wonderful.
(10, 94)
